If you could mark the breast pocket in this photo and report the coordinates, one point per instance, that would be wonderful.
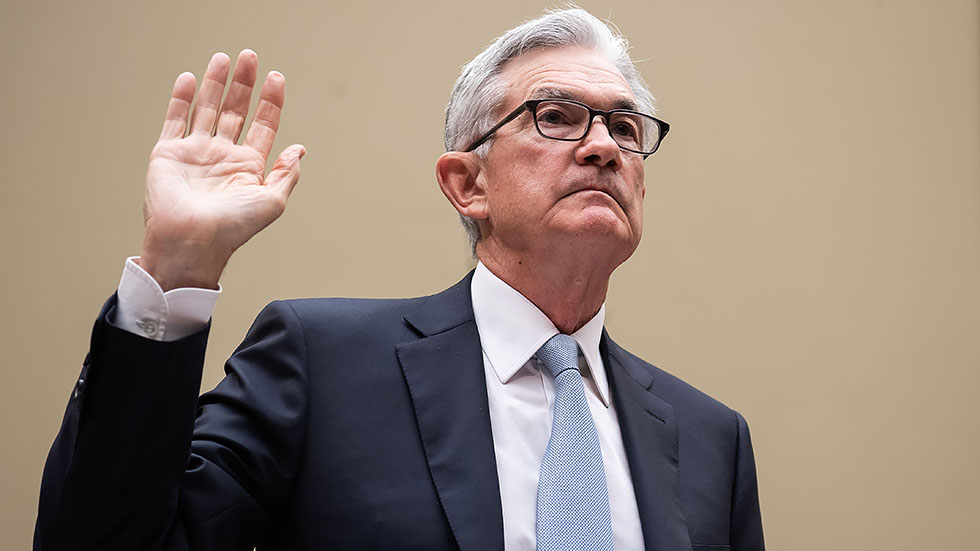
(711, 547)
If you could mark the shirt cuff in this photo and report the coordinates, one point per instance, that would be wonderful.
(144, 309)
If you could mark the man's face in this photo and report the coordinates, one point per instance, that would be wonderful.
(543, 192)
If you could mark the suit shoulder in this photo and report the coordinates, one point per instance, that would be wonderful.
(344, 315)
(367, 315)
(309, 309)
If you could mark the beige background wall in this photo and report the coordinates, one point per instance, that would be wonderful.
(812, 248)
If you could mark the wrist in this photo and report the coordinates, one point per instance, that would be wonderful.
(174, 267)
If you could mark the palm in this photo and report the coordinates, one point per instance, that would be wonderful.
(198, 183)
(206, 195)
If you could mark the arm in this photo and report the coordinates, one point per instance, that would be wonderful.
(129, 387)
(134, 467)
(115, 477)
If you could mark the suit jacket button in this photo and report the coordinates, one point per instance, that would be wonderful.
(78, 389)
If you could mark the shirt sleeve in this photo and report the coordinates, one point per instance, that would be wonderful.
(144, 309)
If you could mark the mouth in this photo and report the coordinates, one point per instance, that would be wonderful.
(599, 189)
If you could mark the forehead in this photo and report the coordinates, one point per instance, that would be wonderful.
(578, 73)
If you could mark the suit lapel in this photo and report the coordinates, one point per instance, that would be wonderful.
(445, 376)
(651, 440)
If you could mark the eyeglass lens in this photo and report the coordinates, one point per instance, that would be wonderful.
(564, 120)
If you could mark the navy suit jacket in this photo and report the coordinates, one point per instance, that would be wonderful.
(354, 424)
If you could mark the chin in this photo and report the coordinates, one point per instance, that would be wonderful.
(605, 236)
(603, 223)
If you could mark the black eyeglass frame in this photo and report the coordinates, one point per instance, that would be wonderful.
(531, 106)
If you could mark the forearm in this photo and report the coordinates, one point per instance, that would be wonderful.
(112, 475)
(142, 463)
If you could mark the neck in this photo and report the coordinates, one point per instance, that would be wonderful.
(569, 288)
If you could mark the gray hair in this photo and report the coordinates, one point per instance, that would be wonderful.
(479, 92)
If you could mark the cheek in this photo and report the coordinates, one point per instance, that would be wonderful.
(506, 201)
(517, 184)
(639, 186)
(639, 192)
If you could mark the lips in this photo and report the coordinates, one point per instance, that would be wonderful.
(608, 190)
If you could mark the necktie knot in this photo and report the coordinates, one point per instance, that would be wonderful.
(559, 354)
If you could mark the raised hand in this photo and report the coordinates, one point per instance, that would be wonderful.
(205, 194)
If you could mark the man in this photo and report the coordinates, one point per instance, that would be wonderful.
(496, 414)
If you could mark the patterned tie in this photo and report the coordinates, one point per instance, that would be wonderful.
(573, 503)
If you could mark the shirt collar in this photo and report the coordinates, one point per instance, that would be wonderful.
(512, 329)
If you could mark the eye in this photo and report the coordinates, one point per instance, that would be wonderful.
(625, 128)
(553, 116)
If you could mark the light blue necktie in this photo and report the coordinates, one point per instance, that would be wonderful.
(573, 503)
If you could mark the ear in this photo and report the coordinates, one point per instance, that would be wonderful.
(461, 180)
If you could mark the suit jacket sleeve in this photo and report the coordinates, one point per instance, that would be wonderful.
(746, 522)
(141, 462)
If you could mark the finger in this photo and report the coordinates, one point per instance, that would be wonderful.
(175, 123)
(235, 107)
(262, 132)
(285, 172)
(209, 96)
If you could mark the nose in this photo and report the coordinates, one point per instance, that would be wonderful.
(598, 147)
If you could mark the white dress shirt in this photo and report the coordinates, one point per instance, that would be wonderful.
(520, 393)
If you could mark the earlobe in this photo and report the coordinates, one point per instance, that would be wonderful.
(460, 177)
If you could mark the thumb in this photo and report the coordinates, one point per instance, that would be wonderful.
(285, 172)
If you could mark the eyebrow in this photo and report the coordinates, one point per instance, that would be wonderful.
(558, 93)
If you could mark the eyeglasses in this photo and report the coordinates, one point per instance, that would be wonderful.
(570, 121)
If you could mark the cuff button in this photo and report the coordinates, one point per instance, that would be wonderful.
(149, 327)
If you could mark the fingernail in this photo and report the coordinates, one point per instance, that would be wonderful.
(302, 152)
